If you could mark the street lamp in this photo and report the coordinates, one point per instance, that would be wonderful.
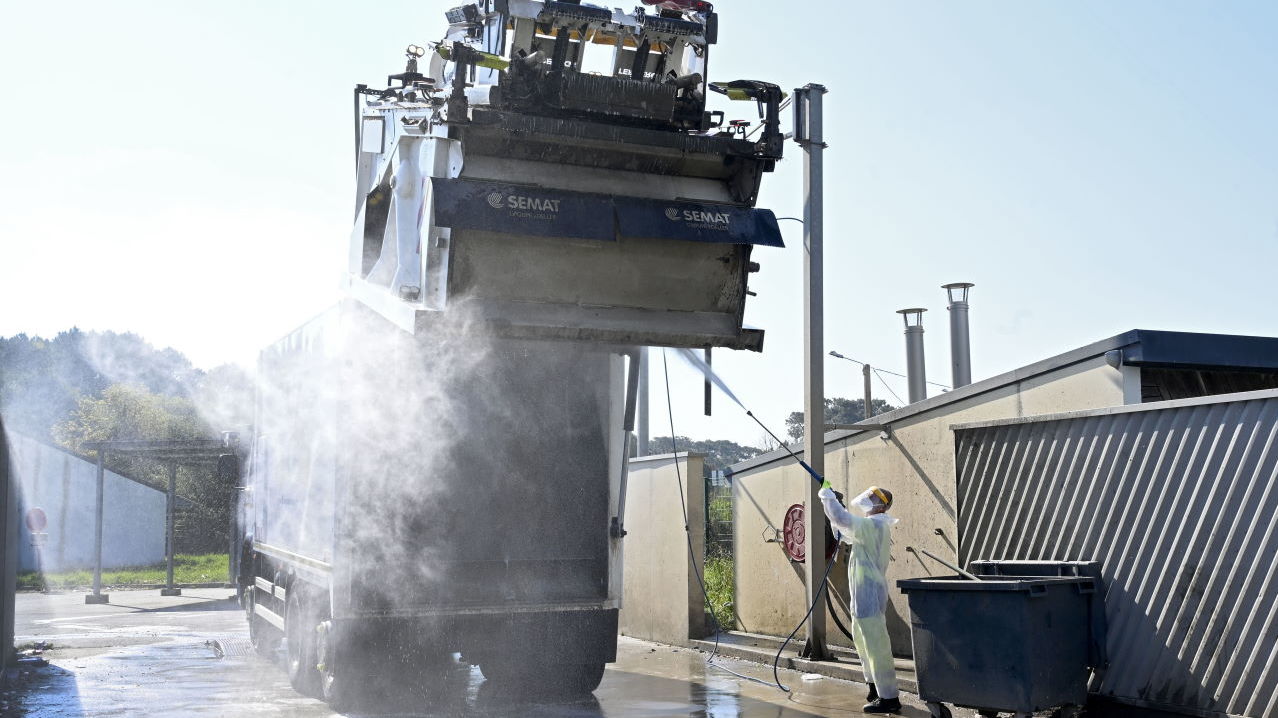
(867, 410)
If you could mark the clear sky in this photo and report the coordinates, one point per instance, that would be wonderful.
(184, 171)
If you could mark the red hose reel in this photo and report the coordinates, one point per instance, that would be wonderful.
(794, 533)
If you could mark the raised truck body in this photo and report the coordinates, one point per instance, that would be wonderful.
(440, 461)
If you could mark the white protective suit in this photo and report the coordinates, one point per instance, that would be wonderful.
(867, 583)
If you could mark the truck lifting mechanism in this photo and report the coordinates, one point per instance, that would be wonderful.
(553, 166)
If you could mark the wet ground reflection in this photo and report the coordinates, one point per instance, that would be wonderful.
(143, 657)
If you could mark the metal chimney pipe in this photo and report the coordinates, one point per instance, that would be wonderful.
(960, 342)
(914, 364)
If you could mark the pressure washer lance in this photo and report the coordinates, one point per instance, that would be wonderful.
(776, 677)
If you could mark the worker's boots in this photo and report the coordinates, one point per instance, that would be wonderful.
(883, 705)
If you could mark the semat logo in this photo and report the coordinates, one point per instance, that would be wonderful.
(497, 200)
(698, 216)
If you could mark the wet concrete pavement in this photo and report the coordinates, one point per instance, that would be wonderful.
(145, 655)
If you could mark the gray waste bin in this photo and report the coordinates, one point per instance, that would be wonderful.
(1007, 643)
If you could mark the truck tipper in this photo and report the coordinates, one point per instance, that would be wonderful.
(439, 462)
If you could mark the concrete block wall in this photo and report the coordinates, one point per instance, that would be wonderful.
(65, 486)
(661, 599)
(916, 463)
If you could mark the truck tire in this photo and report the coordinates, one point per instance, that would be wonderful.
(344, 673)
(581, 678)
(264, 637)
(299, 638)
(553, 679)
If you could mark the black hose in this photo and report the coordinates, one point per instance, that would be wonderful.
(829, 602)
(776, 678)
(815, 600)
(705, 593)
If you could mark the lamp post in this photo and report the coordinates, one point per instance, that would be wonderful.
(808, 134)
(867, 410)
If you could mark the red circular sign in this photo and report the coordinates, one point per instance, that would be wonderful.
(794, 534)
(36, 519)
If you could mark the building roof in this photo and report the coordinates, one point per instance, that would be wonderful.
(1137, 347)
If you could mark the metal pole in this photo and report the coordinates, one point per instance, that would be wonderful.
(643, 401)
(97, 596)
(808, 133)
(170, 507)
(708, 387)
(869, 406)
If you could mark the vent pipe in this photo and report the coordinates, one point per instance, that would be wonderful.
(960, 342)
(914, 369)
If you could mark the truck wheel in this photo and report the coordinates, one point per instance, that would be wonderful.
(264, 637)
(572, 679)
(582, 678)
(339, 677)
(299, 635)
(346, 676)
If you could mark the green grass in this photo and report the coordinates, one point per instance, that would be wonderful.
(204, 568)
(720, 586)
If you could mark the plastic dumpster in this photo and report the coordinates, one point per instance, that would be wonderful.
(1014, 644)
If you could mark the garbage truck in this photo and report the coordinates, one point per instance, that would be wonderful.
(439, 462)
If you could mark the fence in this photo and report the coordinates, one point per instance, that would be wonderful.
(1177, 501)
(718, 515)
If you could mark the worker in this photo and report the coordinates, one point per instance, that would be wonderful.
(869, 538)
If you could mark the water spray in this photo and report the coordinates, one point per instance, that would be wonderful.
(705, 369)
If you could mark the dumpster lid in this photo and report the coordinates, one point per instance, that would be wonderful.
(1002, 583)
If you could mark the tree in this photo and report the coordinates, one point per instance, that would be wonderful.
(720, 453)
(101, 386)
(130, 412)
(837, 411)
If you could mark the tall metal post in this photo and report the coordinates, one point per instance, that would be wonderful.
(97, 596)
(709, 388)
(865, 376)
(643, 401)
(808, 133)
(170, 506)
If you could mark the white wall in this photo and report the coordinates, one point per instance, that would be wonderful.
(65, 486)
(662, 599)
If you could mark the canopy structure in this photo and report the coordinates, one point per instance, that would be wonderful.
(174, 453)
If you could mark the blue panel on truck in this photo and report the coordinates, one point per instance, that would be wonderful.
(696, 222)
(523, 210)
(518, 209)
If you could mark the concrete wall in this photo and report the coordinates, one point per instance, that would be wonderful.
(65, 486)
(917, 464)
(8, 551)
(662, 600)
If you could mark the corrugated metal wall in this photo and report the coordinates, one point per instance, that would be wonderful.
(1178, 502)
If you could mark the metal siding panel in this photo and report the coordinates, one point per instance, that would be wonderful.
(1178, 504)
